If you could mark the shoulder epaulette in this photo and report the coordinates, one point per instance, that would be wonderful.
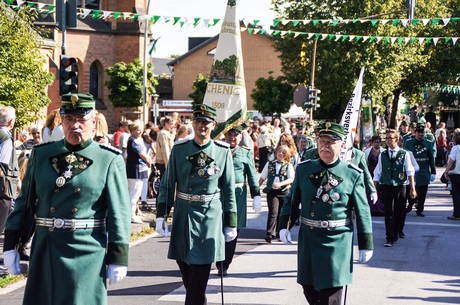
(181, 141)
(110, 148)
(304, 161)
(351, 165)
(222, 143)
(246, 147)
(43, 144)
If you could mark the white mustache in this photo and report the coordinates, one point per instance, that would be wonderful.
(325, 149)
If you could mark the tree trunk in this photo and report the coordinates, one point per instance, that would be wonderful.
(394, 108)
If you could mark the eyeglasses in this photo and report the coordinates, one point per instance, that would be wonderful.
(36, 132)
(71, 119)
(390, 138)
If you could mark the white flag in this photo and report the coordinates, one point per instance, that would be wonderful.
(350, 118)
(227, 91)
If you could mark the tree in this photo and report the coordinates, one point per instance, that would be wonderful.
(272, 96)
(22, 78)
(126, 83)
(199, 89)
(391, 68)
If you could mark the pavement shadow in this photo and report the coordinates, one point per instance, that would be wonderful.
(157, 289)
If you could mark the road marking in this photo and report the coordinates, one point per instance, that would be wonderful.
(433, 224)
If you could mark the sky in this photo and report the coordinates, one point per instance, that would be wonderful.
(174, 39)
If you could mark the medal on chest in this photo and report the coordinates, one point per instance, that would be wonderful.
(68, 165)
(203, 165)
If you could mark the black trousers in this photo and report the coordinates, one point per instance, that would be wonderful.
(419, 200)
(230, 247)
(263, 157)
(394, 201)
(195, 279)
(275, 201)
(161, 168)
(5, 209)
(328, 296)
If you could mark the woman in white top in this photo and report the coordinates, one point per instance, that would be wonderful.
(452, 174)
(52, 131)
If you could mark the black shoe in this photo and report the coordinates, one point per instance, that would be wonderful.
(388, 244)
(268, 238)
(401, 234)
(453, 218)
(408, 209)
(420, 214)
(222, 272)
(23, 255)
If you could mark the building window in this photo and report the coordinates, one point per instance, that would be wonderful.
(89, 4)
(94, 80)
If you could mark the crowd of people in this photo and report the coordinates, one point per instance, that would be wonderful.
(203, 187)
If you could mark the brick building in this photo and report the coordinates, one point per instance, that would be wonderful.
(259, 58)
(97, 44)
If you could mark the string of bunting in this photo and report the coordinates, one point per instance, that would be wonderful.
(44, 8)
(356, 38)
(258, 28)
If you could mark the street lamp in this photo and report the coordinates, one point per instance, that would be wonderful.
(155, 108)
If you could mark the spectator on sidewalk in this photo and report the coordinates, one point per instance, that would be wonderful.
(452, 174)
(138, 163)
(52, 131)
(329, 190)
(165, 142)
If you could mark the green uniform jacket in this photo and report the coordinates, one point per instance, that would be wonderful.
(359, 159)
(197, 232)
(325, 257)
(69, 267)
(423, 154)
(243, 163)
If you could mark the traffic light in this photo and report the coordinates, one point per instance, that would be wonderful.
(313, 97)
(68, 75)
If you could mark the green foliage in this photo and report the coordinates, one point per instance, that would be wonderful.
(390, 68)
(199, 89)
(126, 83)
(23, 79)
(272, 96)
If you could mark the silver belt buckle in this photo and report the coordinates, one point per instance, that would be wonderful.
(195, 197)
(58, 223)
(324, 224)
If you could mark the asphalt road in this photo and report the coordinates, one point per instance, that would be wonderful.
(422, 269)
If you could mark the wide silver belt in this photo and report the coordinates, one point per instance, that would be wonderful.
(62, 223)
(197, 198)
(325, 224)
(241, 185)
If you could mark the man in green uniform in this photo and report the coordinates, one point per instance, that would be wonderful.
(329, 190)
(77, 191)
(245, 174)
(200, 182)
(423, 153)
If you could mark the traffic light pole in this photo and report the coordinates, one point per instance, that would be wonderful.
(63, 26)
(313, 68)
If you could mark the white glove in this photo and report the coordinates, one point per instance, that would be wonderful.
(285, 236)
(256, 204)
(11, 261)
(365, 255)
(374, 197)
(161, 227)
(432, 177)
(230, 234)
(115, 273)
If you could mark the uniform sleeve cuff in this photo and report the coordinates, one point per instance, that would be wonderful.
(230, 219)
(365, 241)
(11, 239)
(117, 254)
